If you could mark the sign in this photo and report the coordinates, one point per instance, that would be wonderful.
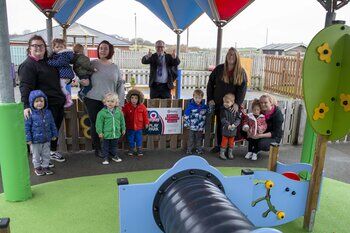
(164, 121)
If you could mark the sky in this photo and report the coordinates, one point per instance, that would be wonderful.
(271, 21)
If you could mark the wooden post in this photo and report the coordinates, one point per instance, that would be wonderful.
(4, 225)
(273, 156)
(315, 182)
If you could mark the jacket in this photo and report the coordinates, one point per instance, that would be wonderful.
(217, 88)
(82, 65)
(229, 118)
(274, 124)
(38, 75)
(111, 125)
(171, 65)
(136, 118)
(257, 125)
(40, 126)
(195, 115)
(62, 61)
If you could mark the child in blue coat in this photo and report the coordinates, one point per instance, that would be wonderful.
(195, 116)
(40, 130)
(61, 59)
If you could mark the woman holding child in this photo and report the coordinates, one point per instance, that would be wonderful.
(106, 79)
(36, 74)
(226, 78)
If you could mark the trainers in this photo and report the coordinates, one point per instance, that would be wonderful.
(39, 171)
(98, 154)
(131, 152)
(254, 156)
(199, 152)
(55, 155)
(51, 165)
(230, 153)
(215, 149)
(116, 159)
(189, 152)
(47, 171)
(222, 154)
(248, 155)
(105, 162)
(139, 152)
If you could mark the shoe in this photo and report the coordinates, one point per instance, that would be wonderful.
(98, 154)
(230, 153)
(55, 155)
(254, 156)
(47, 171)
(222, 154)
(215, 149)
(248, 155)
(189, 152)
(131, 152)
(116, 159)
(139, 152)
(199, 152)
(51, 165)
(105, 162)
(39, 171)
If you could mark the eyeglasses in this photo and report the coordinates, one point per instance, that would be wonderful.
(36, 46)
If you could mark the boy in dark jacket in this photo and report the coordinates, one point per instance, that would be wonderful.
(195, 116)
(230, 119)
(61, 59)
(136, 119)
(83, 69)
(40, 130)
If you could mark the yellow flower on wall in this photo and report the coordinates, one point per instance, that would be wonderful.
(320, 111)
(325, 52)
(345, 102)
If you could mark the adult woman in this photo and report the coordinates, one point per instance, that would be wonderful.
(274, 121)
(106, 79)
(226, 78)
(36, 74)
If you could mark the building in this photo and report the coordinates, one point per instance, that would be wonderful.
(288, 49)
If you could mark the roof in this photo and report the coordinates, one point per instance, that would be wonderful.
(74, 29)
(283, 46)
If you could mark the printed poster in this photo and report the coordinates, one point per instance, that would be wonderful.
(164, 121)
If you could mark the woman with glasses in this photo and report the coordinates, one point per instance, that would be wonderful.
(35, 74)
(106, 79)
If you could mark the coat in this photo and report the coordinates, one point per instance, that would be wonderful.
(111, 125)
(82, 65)
(171, 65)
(274, 124)
(40, 126)
(136, 118)
(229, 118)
(257, 125)
(195, 115)
(62, 61)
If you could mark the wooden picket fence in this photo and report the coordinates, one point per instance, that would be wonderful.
(74, 133)
(282, 75)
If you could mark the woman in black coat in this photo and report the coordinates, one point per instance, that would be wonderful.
(226, 78)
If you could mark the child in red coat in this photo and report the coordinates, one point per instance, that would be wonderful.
(136, 119)
(254, 123)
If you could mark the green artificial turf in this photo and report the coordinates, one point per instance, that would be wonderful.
(90, 205)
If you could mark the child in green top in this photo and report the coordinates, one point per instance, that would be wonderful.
(110, 126)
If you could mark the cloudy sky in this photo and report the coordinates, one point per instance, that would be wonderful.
(286, 21)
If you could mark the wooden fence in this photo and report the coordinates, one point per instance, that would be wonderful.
(282, 75)
(75, 129)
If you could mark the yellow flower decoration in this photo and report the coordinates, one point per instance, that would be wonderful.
(345, 102)
(320, 111)
(325, 52)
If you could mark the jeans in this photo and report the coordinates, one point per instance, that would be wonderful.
(262, 144)
(134, 137)
(109, 147)
(58, 114)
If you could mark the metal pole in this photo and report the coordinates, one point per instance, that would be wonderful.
(49, 33)
(136, 33)
(188, 36)
(178, 82)
(330, 16)
(218, 45)
(6, 85)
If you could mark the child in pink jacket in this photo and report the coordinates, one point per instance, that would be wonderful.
(254, 124)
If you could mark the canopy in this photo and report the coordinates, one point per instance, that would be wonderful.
(176, 14)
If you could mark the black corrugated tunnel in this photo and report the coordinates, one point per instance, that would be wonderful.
(193, 201)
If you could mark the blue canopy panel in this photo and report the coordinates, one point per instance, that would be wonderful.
(176, 14)
(72, 10)
(205, 6)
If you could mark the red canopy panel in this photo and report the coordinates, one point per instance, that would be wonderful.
(44, 4)
(228, 8)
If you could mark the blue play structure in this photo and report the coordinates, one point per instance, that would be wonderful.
(193, 196)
